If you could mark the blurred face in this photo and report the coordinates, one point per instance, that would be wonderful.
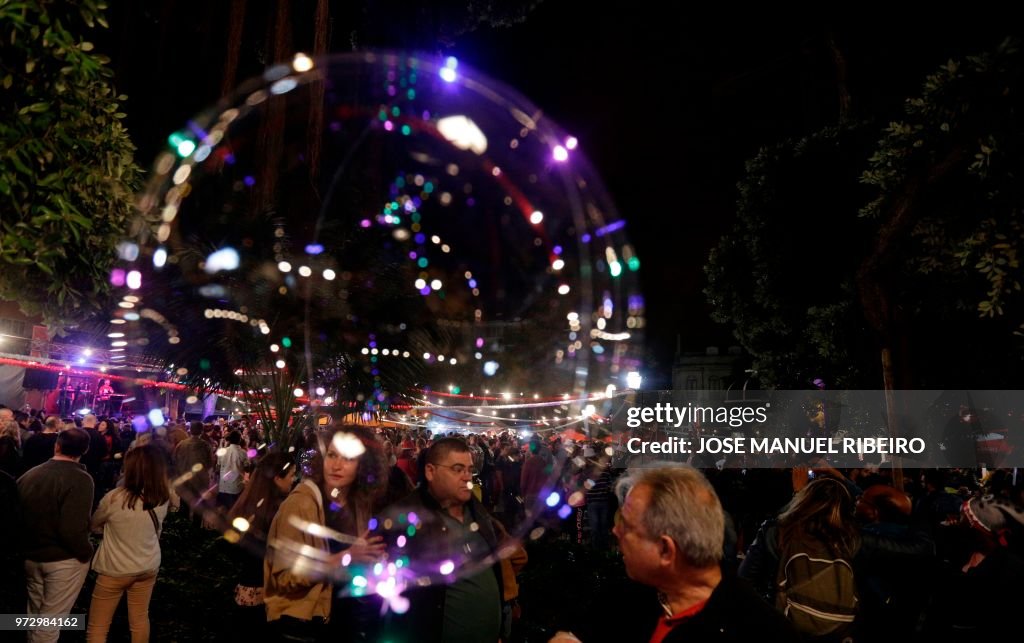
(640, 552)
(339, 471)
(283, 483)
(451, 481)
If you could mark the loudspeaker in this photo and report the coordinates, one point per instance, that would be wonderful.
(39, 380)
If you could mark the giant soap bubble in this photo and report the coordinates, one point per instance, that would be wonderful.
(388, 235)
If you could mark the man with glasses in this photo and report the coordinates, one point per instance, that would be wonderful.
(671, 533)
(453, 536)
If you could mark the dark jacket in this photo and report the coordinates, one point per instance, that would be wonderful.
(56, 503)
(733, 613)
(426, 551)
(37, 449)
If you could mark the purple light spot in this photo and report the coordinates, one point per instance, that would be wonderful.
(388, 125)
(470, 201)
(372, 524)
(375, 372)
(140, 424)
(391, 75)
(413, 518)
(479, 342)
(412, 254)
(472, 283)
(426, 115)
(611, 227)
(425, 290)
(391, 90)
(335, 126)
(553, 499)
(557, 250)
(117, 277)
(416, 201)
(564, 511)
(251, 453)
(365, 223)
(373, 344)
(420, 237)
(314, 249)
(249, 181)
(447, 567)
(585, 238)
(229, 159)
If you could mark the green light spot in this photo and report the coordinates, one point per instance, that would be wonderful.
(412, 78)
(411, 94)
(406, 130)
(456, 390)
(400, 182)
(422, 262)
(634, 263)
(402, 518)
(395, 111)
(204, 364)
(286, 342)
(415, 217)
(382, 115)
(428, 187)
(374, 359)
(396, 220)
(411, 530)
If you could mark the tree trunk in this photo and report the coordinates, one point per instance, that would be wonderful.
(236, 29)
(842, 87)
(903, 213)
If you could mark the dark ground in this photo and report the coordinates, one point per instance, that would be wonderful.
(193, 595)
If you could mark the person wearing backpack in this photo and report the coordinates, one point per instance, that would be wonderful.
(803, 561)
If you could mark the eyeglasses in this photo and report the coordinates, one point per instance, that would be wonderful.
(458, 469)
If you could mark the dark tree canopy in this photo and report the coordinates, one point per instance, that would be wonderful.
(66, 169)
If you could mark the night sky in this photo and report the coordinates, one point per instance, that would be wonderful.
(668, 105)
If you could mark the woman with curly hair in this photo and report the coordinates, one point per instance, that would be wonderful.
(343, 481)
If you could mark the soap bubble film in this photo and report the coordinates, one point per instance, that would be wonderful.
(391, 241)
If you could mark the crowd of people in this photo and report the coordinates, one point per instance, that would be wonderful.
(802, 552)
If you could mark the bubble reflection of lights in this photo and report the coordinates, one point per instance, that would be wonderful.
(302, 63)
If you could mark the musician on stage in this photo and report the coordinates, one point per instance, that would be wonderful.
(103, 394)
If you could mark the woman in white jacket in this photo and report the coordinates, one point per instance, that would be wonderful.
(129, 556)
